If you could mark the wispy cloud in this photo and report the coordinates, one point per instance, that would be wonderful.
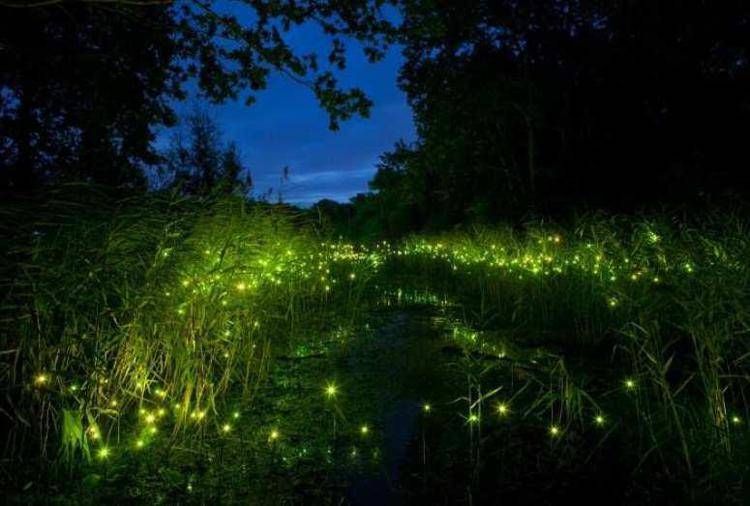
(287, 128)
(333, 175)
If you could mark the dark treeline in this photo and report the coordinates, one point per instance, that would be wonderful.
(521, 107)
(548, 107)
(81, 87)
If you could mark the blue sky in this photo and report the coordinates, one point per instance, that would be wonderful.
(286, 127)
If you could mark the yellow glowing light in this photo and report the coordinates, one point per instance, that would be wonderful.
(736, 420)
(113, 403)
(630, 384)
(103, 452)
(150, 418)
(426, 408)
(226, 428)
(152, 430)
(93, 432)
(503, 409)
(236, 415)
(41, 379)
(473, 418)
(364, 429)
(599, 420)
(274, 435)
(140, 443)
(241, 287)
(331, 390)
(554, 431)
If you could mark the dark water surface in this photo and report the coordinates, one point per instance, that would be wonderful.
(403, 427)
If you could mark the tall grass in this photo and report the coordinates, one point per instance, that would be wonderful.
(155, 303)
(115, 309)
(661, 303)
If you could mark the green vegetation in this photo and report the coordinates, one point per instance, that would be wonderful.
(159, 322)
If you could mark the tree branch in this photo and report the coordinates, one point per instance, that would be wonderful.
(45, 3)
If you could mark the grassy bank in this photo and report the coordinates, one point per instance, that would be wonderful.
(130, 321)
(648, 321)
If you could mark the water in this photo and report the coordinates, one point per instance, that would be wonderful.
(402, 427)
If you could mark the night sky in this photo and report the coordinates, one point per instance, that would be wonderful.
(287, 127)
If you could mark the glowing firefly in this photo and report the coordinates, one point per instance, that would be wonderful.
(331, 390)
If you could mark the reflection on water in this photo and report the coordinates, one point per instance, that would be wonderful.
(405, 406)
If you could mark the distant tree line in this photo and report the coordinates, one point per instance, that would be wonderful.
(200, 162)
(551, 106)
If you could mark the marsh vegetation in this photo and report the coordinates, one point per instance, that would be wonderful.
(180, 350)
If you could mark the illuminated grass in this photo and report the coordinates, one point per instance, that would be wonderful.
(147, 313)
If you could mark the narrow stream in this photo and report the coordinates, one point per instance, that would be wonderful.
(386, 413)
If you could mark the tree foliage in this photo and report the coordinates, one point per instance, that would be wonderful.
(83, 84)
(200, 163)
(80, 88)
(551, 105)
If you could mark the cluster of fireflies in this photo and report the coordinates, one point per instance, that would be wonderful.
(234, 279)
(229, 282)
(151, 418)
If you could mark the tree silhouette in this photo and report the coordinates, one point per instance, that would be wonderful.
(84, 83)
(200, 163)
(556, 105)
